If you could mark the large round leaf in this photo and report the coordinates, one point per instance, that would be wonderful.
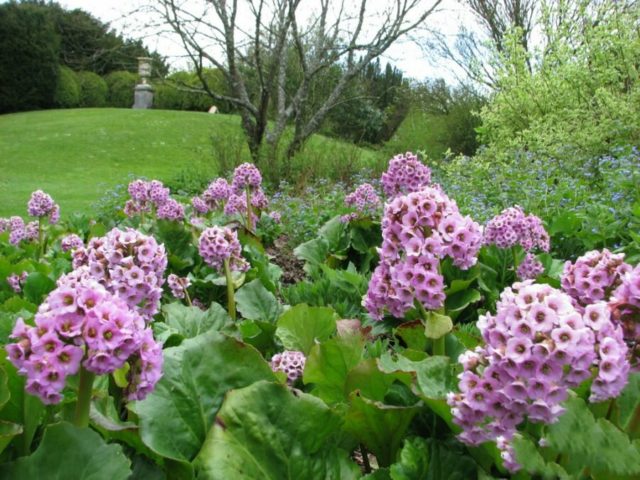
(329, 364)
(302, 326)
(175, 418)
(381, 428)
(70, 452)
(265, 431)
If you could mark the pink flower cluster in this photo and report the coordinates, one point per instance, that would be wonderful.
(18, 230)
(625, 306)
(71, 242)
(178, 285)
(537, 346)
(290, 362)
(246, 176)
(593, 276)
(171, 210)
(530, 268)
(146, 196)
(213, 198)
(85, 325)
(129, 264)
(405, 174)
(42, 205)
(16, 281)
(418, 230)
(364, 199)
(512, 227)
(218, 244)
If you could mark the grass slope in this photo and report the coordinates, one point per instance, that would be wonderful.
(77, 155)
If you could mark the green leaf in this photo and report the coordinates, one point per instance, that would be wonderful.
(369, 380)
(437, 325)
(629, 401)
(567, 223)
(532, 461)
(460, 285)
(37, 286)
(328, 365)
(266, 432)
(188, 322)
(381, 428)
(434, 379)
(314, 251)
(21, 408)
(553, 268)
(175, 418)
(460, 300)
(448, 461)
(255, 302)
(414, 460)
(8, 430)
(335, 233)
(300, 327)
(175, 238)
(4, 387)
(595, 444)
(379, 474)
(17, 304)
(84, 456)
(413, 335)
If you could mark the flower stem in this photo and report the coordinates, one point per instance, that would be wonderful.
(83, 404)
(438, 344)
(365, 459)
(231, 302)
(633, 427)
(40, 238)
(514, 252)
(249, 211)
(187, 297)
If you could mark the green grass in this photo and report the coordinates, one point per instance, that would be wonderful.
(77, 155)
(419, 131)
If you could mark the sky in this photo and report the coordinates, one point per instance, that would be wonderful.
(405, 54)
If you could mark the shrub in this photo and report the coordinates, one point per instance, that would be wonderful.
(579, 99)
(29, 58)
(93, 90)
(67, 93)
(121, 85)
(175, 94)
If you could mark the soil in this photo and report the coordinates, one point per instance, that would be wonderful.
(282, 255)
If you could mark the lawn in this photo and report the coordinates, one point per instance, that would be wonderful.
(77, 155)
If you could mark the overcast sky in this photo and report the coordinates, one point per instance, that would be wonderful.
(405, 54)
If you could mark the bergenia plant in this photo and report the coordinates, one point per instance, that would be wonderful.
(418, 230)
(289, 362)
(89, 330)
(152, 197)
(219, 247)
(41, 206)
(179, 287)
(512, 229)
(128, 264)
(537, 345)
(364, 200)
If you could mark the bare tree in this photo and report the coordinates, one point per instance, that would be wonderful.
(254, 42)
(472, 48)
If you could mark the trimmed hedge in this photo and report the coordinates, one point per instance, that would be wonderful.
(93, 90)
(121, 87)
(67, 94)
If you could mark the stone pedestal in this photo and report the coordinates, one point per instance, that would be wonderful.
(143, 96)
